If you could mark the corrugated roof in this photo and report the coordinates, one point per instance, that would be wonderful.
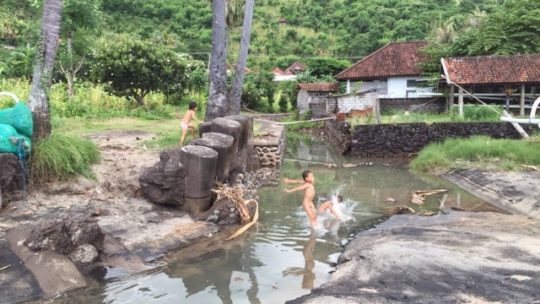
(492, 69)
(393, 59)
(319, 86)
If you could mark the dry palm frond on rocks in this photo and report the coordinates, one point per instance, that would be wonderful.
(419, 196)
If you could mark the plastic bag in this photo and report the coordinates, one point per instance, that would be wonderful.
(19, 117)
(9, 139)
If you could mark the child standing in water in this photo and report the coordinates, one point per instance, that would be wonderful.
(309, 194)
(184, 123)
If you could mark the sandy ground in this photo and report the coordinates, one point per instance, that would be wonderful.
(459, 257)
(135, 227)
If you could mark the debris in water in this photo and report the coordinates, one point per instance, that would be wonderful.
(419, 196)
(274, 285)
(390, 200)
(400, 210)
(349, 165)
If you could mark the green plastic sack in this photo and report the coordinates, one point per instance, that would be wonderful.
(8, 140)
(19, 117)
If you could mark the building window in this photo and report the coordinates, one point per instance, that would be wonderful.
(412, 83)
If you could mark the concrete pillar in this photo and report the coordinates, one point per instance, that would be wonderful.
(451, 96)
(348, 86)
(223, 145)
(232, 128)
(243, 145)
(460, 102)
(522, 101)
(205, 127)
(200, 164)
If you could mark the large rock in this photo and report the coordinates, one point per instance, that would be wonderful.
(200, 163)
(232, 128)
(11, 177)
(223, 144)
(163, 183)
(65, 234)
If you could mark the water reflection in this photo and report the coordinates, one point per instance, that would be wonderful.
(308, 277)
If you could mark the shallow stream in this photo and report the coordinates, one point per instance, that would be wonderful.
(281, 259)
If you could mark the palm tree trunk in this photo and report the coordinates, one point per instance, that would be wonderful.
(236, 89)
(38, 101)
(217, 105)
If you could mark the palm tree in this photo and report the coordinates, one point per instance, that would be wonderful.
(236, 88)
(38, 100)
(217, 105)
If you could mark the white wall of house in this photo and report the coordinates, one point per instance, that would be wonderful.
(412, 87)
(285, 77)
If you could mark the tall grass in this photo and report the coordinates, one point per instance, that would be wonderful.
(59, 157)
(478, 151)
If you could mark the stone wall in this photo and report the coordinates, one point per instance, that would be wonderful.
(338, 133)
(405, 140)
(358, 101)
(434, 105)
(270, 149)
(318, 99)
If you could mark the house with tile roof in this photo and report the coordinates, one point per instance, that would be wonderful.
(393, 71)
(290, 73)
(316, 97)
(513, 78)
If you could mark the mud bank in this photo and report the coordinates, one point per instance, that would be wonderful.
(458, 257)
(516, 191)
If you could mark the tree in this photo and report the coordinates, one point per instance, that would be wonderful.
(217, 105)
(81, 23)
(235, 95)
(134, 68)
(38, 100)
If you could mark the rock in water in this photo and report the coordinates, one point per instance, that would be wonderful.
(223, 144)
(84, 255)
(163, 183)
(64, 235)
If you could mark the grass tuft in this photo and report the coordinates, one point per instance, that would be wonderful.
(478, 152)
(59, 157)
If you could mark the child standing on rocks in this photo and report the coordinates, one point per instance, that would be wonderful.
(184, 124)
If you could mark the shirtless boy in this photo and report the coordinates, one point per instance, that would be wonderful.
(309, 194)
(184, 124)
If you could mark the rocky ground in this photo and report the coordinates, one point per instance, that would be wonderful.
(136, 231)
(515, 191)
(458, 257)
(455, 257)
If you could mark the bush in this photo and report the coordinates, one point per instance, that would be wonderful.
(479, 151)
(476, 113)
(59, 157)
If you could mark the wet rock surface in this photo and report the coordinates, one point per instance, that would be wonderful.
(455, 258)
(65, 234)
(515, 191)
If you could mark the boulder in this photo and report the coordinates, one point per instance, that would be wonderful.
(84, 255)
(65, 234)
(232, 128)
(11, 177)
(163, 183)
(223, 144)
(201, 163)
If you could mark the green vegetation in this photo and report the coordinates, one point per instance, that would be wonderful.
(59, 157)
(478, 152)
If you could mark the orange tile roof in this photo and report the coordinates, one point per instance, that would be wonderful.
(393, 59)
(319, 86)
(492, 69)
